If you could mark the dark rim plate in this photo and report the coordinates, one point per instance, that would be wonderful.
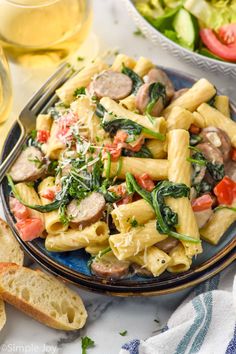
(74, 264)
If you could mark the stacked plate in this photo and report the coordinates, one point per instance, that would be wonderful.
(73, 267)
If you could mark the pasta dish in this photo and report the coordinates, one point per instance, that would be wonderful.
(128, 169)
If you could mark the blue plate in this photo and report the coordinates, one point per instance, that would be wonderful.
(74, 264)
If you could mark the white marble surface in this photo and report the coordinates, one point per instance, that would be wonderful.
(112, 29)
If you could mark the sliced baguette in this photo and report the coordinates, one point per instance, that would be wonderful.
(2, 314)
(42, 297)
(10, 250)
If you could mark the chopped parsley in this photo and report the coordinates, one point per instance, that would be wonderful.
(86, 343)
(134, 223)
(79, 91)
(138, 32)
(38, 163)
(123, 334)
(79, 58)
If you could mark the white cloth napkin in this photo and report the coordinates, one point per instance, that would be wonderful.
(205, 323)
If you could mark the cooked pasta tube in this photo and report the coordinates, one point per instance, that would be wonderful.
(129, 103)
(53, 224)
(44, 122)
(139, 211)
(87, 117)
(159, 125)
(95, 248)
(131, 243)
(152, 259)
(179, 172)
(201, 91)
(222, 104)
(213, 117)
(179, 118)
(179, 262)
(122, 59)
(157, 169)
(199, 120)
(157, 148)
(75, 239)
(54, 146)
(81, 79)
(143, 66)
(30, 196)
(219, 222)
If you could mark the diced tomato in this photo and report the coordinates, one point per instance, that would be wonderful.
(233, 154)
(115, 151)
(224, 46)
(145, 182)
(225, 191)
(126, 200)
(64, 124)
(20, 211)
(43, 136)
(120, 137)
(194, 129)
(137, 146)
(30, 229)
(49, 194)
(202, 203)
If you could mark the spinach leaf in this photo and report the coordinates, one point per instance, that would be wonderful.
(136, 79)
(133, 186)
(100, 110)
(156, 91)
(195, 139)
(143, 152)
(216, 170)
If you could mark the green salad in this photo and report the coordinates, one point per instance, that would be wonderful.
(204, 26)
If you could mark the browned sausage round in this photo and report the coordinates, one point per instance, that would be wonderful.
(158, 75)
(86, 211)
(211, 153)
(29, 166)
(142, 99)
(179, 93)
(167, 245)
(230, 170)
(219, 139)
(203, 216)
(112, 84)
(109, 267)
(142, 272)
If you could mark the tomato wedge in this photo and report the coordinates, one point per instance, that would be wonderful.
(115, 151)
(145, 182)
(202, 203)
(49, 194)
(225, 191)
(120, 137)
(30, 229)
(224, 46)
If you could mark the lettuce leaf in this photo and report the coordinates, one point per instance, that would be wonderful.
(212, 13)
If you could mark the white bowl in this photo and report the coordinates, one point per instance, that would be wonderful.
(182, 53)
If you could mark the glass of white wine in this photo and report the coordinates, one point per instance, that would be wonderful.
(35, 32)
(5, 89)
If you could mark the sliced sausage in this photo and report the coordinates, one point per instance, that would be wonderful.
(179, 93)
(211, 153)
(219, 139)
(230, 170)
(109, 267)
(158, 75)
(168, 244)
(87, 211)
(142, 99)
(112, 84)
(203, 216)
(141, 271)
(29, 166)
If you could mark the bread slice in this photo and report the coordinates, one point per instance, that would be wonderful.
(10, 250)
(2, 314)
(42, 297)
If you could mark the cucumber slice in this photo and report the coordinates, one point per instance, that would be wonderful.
(186, 27)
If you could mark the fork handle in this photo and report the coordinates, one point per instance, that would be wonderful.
(7, 163)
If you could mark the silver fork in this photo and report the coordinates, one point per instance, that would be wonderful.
(44, 98)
